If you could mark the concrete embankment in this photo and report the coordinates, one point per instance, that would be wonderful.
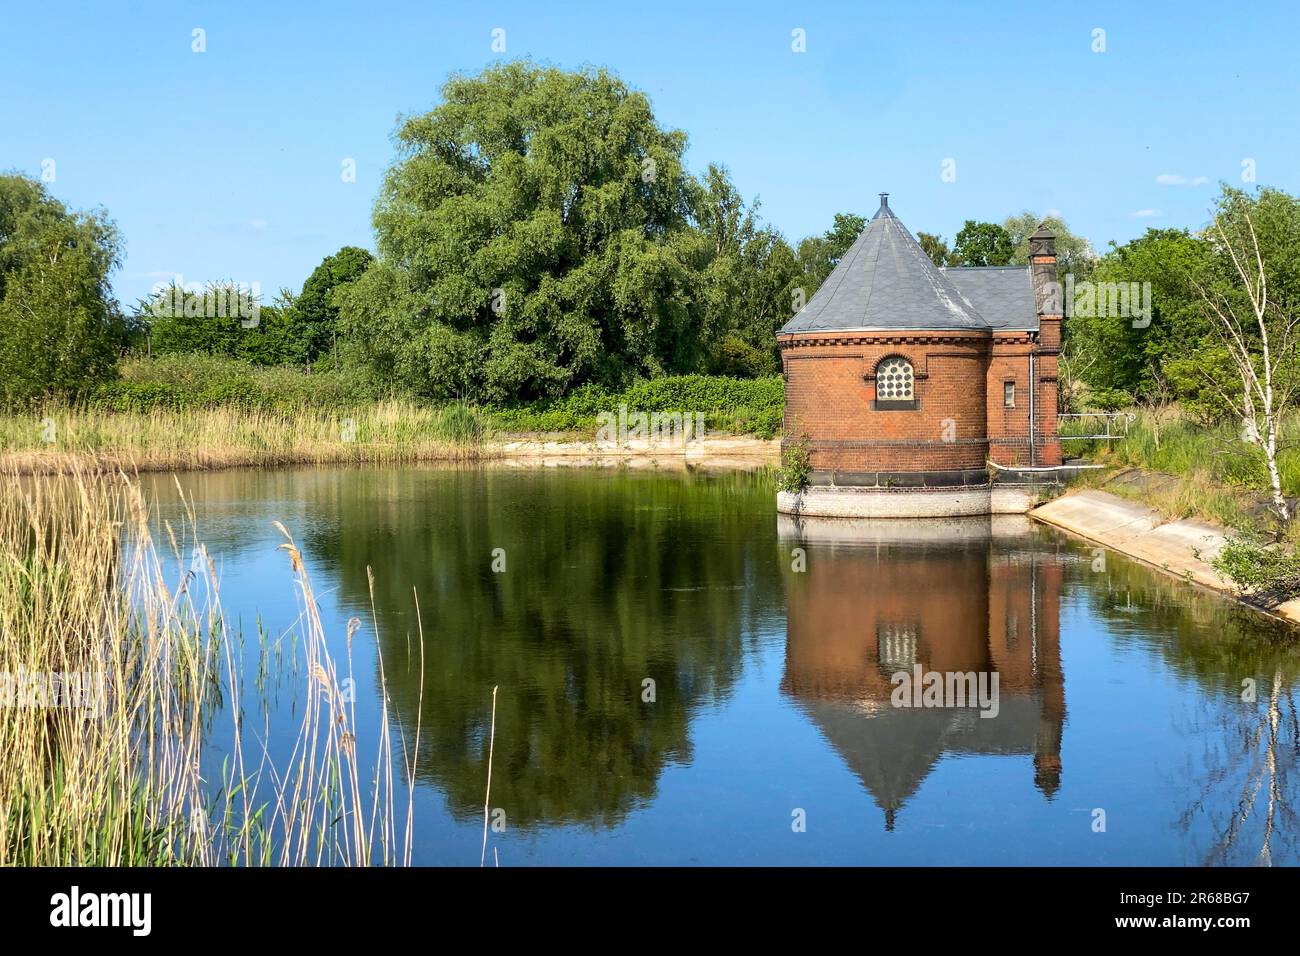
(738, 452)
(1182, 548)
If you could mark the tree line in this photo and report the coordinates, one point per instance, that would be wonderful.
(539, 231)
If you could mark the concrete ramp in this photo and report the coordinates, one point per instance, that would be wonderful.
(1183, 548)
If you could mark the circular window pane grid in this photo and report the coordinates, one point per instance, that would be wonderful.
(894, 380)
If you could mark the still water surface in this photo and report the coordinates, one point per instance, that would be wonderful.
(1120, 689)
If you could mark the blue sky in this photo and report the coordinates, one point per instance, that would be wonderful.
(226, 164)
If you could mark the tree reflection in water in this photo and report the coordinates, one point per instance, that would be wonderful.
(610, 581)
(615, 578)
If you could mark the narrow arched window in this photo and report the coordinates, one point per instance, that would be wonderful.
(895, 381)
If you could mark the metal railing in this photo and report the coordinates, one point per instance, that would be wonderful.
(1116, 424)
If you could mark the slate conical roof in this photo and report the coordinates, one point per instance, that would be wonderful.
(886, 281)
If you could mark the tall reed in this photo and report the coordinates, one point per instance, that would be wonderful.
(57, 437)
(121, 774)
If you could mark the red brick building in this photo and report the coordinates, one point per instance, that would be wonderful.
(900, 374)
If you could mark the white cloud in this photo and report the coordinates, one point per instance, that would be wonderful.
(1145, 213)
(1177, 179)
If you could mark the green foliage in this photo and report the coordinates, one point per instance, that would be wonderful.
(576, 411)
(313, 314)
(747, 289)
(733, 356)
(766, 422)
(224, 320)
(221, 319)
(1109, 399)
(982, 244)
(540, 236)
(1272, 573)
(460, 424)
(819, 255)
(937, 249)
(535, 234)
(540, 233)
(1182, 347)
(191, 381)
(796, 465)
(1074, 254)
(704, 393)
(1119, 355)
(754, 406)
(1187, 448)
(60, 328)
(206, 381)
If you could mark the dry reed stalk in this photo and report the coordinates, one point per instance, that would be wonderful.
(84, 589)
(91, 439)
(487, 797)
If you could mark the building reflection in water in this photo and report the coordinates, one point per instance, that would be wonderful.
(954, 595)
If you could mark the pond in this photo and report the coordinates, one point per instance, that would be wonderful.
(685, 678)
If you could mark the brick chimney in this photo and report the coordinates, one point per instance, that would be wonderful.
(1042, 262)
(1049, 297)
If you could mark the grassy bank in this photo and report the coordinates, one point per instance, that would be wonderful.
(1185, 469)
(55, 438)
(199, 412)
(186, 382)
(1218, 476)
(110, 673)
(189, 382)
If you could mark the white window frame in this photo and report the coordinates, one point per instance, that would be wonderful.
(892, 390)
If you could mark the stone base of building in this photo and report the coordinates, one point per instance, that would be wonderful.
(910, 502)
(957, 478)
(1005, 530)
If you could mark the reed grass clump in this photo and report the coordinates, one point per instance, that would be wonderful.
(112, 670)
(56, 437)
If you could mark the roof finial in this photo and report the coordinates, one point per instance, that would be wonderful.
(884, 200)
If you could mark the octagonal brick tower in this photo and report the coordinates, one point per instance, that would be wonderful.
(900, 374)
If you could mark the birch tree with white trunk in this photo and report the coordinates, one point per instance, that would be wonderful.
(1260, 340)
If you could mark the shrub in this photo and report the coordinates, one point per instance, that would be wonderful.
(729, 404)
(60, 328)
(767, 424)
(796, 465)
(1109, 399)
(704, 393)
(194, 380)
(1270, 573)
(460, 423)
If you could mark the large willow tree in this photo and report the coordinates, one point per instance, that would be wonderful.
(60, 327)
(535, 233)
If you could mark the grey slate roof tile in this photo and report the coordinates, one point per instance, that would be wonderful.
(1003, 295)
(886, 281)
